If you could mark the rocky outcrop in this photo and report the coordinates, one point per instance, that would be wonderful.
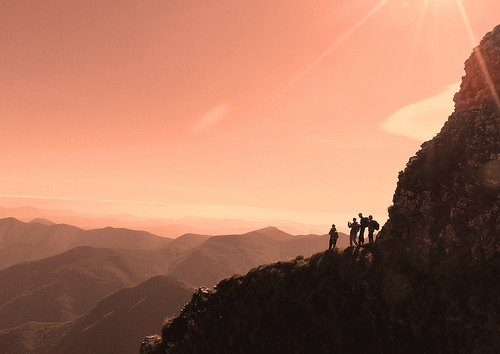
(447, 199)
(151, 344)
(481, 83)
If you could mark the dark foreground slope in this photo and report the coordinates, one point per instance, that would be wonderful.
(348, 302)
(429, 285)
(316, 305)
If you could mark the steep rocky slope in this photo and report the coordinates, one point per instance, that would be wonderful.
(448, 195)
(429, 284)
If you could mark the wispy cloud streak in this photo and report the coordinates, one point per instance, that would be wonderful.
(211, 118)
(422, 120)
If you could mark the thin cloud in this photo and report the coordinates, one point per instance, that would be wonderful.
(211, 118)
(424, 119)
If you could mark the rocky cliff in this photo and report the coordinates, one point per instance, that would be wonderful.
(429, 284)
(448, 198)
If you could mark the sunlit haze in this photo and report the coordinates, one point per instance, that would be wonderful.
(254, 110)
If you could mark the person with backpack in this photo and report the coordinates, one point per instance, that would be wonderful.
(363, 223)
(354, 231)
(372, 226)
(334, 236)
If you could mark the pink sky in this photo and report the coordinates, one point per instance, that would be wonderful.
(302, 110)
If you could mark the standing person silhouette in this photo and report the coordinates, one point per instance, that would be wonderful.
(334, 235)
(372, 226)
(354, 231)
(363, 223)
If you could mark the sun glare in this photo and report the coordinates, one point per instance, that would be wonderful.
(484, 69)
(439, 2)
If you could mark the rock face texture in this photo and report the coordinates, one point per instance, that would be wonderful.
(448, 197)
(429, 284)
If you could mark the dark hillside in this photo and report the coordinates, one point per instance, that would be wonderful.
(63, 287)
(115, 325)
(32, 338)
(122, 319)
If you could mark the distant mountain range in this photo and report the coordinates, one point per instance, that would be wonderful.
(166, 227)
(59, 282)
(20, 242)
(220, 256)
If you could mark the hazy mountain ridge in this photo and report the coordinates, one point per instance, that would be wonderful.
(186, 242)
(225, 255)
(41, 221)
(164, 227)
(428, 285)
(20, 242)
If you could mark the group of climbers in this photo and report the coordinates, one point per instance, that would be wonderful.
(364, 223)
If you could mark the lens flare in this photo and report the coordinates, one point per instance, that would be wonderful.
(478, 53)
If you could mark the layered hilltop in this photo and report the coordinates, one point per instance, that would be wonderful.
(430, 282)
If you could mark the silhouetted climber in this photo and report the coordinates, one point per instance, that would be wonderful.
(334, 235)
(363, 223)
(354, 230)
(372, 226)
